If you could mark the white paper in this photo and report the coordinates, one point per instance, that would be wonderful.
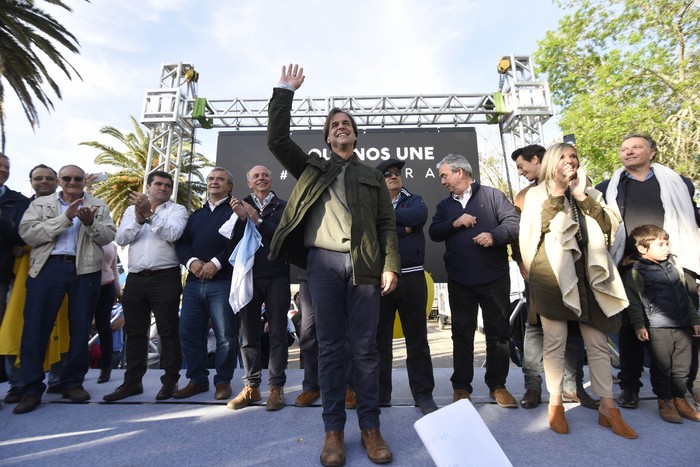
(456, 436)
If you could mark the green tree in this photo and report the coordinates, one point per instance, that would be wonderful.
(132, 163)
(627, 66)
(28, 38)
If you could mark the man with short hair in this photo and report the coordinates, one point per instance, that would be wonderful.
(151, 225)
(340, 222)
(528, 161)
(410, 297)
(66, 232)
(271, 287)
(646, 192)
(476, 223)
(205, 297)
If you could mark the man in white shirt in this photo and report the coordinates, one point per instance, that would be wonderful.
(151, 226)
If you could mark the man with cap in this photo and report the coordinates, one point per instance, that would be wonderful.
(409, 298)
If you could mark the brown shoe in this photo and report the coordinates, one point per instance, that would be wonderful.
(333, 453)
(581, 397)
(377, 449)
(27, 403)
(247, 396)
(124, 391)
(307, 398)
(276, 399)
(76, 394)
(531, 399)
(668, 412)
(557, 421)
(166, 392)
(350, 399)
(190, 390)
(686, 410)
(223, 391)
(619, 427)
(503, 398)
(461, 394)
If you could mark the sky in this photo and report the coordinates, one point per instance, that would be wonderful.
(366, 47)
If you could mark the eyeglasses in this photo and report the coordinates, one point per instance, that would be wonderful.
(39, 178)
(391, 173)
(68, 179)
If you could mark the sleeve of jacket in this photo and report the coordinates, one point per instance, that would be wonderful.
(386, 229)
(37, 231)
(285, 150)
(270, 223)
(441, 228)
(634, 286)
(413, 213)
(508, 220)
(102, 230)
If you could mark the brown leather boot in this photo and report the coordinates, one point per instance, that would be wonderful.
(619, 427)
(686, 410)
(668, 412)
(377, 449)
(557, 421)
(333, 453)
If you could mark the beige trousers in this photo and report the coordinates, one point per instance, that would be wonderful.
(596, 342)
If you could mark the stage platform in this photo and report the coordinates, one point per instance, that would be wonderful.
(202, 432)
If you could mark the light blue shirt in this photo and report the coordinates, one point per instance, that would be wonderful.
(67, 242)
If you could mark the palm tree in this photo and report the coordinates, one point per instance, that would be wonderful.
(26, 30)
(132, 163)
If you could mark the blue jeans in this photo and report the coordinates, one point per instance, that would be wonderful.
(204, 300)
(344, 313)
(45, 292)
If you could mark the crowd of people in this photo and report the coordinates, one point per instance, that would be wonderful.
(622, 257)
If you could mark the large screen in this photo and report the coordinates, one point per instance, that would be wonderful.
(421, 149)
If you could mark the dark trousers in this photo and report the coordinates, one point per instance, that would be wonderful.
(670, 350)
(158, 293)
(464, 304)
(308, 344)
(410, 298)
(45, 293)
(631, 356)
(274, 293)
(103, 312)
(345, 313)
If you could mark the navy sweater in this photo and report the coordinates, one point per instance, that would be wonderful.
(466, 262)
(201, 239)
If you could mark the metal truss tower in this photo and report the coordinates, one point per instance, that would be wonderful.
(520, 109)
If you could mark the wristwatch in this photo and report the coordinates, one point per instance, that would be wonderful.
(259, 221)
(149, 218)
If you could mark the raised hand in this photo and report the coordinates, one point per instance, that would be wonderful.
(294, 76)
(578, 185)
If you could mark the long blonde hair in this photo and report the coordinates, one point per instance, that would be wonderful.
(550, 162)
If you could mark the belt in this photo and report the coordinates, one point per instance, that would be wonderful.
(64, 258)
(155, 272)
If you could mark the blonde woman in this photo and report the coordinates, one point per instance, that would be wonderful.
(565, 232)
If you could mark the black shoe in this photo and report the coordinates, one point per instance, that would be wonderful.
(124, 391)
(427, 405)
(628, 399)
(531, 399)
(57, 389)
(13, 396)
(28, 403)
(166, 392)
(385, 403)
(583, 398)
(104, 375)
(76, 394)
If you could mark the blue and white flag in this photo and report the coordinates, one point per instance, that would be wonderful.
(242, 260)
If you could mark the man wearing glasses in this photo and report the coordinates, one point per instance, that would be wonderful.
(66, 232)
(410, 296)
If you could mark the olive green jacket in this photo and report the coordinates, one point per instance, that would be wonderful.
(373, 242)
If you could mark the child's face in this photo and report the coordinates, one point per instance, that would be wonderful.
(657, 251)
